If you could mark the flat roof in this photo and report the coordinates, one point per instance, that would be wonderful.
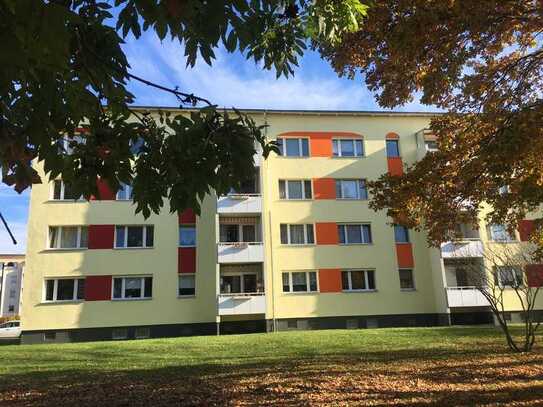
(304, 112)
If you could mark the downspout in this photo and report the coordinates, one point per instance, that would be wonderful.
(2, 290)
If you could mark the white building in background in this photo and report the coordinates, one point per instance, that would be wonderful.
(11, 283)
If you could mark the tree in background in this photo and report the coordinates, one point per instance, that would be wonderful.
(64, 101)
(482, 62)
(505, 274)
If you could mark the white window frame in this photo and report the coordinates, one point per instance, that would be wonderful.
(430, 149)
(366, 281)
(288, 198)
(60, 227)
(129, 191)
(305, 234)
(123, 288)
(355, 149)
(187, 225)
(240, 274)
(55, 289)
(358, 196)
(62, 192)
(499, 275)
(412, 279)
(513, 238)
(397, 141)
(144, 239)
(241, 237)
(65, 141)
(300, 150)
(179, 276)
(346, 243)
(307, 282)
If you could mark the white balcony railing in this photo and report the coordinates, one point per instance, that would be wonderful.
(465, 297)
(240, 252)
(241, 304)
(463, 248)
(240, 203)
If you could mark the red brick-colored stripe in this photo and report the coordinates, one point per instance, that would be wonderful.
(104, 191)
(186, 260)
(98, 288)
(404, 255)
(526, 228)
(324, 188)
(187, 217)
(327, 233)
(534, 274)
(330, 280)
(101, 236)
(395, 165)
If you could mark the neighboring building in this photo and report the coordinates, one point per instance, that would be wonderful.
(11, 283)
(297, 248)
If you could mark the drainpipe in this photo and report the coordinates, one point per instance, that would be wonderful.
(2, 290)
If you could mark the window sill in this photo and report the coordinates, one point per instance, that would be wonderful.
(61, 302)
(66, 201)
(295, 199)
(408, 290)
(352, 199)
(293, 156)
(132, 299)
(358, 291)
(133, 248)
(355, 244)
(298, 245)
(301, 293)
(181, 297)
(355, 157)
(188, 247)
(68, 249)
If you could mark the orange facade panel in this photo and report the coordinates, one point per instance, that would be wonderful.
(404, 254)
(327, 233)
(395, 165)
(330, 281)
(324, 188)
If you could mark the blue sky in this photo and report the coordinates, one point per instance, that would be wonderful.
(231, 82)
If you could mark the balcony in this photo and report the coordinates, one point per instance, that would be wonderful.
(467, 296)
(239, 203)
(462, 249)
(241, 252)
(241, 304)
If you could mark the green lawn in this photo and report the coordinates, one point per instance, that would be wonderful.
(445, 366)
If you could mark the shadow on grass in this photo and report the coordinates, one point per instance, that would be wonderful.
(414, 377)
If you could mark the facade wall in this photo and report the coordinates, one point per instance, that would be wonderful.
(169, 314)
(11, 284)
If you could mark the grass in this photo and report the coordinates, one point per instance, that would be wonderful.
(441, 366)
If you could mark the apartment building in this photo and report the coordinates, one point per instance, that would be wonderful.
(11, 283)
(295, 248)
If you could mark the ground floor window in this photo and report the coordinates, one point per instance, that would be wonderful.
(407, 282)
(64, 289)
(358, 280)
(300, 281)
(187, 285)
(132, 287)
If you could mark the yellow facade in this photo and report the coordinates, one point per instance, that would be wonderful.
(166, 308)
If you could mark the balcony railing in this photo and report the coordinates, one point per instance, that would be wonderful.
(468, 296)
(462, 248)
(240, 203)
(241, 303)
(241, 252)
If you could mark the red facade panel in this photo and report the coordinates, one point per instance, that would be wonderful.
(395, 165)
(330, 281)
(186, 260)
(324, 188)
(101, 236)
(105, 192)
(97, 288)
(327, 233)
(525, 228)
(404, 254)
(187, 216)
(534, 273)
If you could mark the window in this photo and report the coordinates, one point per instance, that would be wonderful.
(12, 293)
(351, 189)
(11, 308)
(300, 281)
(295, 189)
(187, 285)
(499, 233)
(354, 234)
(132, 288)
(430, 145)
(64, 289)
(297, 234)
(134, 236)
(358, 280)
(293, 147)
(125, 193)
(406, 279)
(401, 234)
(68, 144)
(187, 236)
(119, 333)
(238, 283)
(508, 276)
(68, 237)
(393, 148)
(347, 147)
(142, 333)
(61, 191)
